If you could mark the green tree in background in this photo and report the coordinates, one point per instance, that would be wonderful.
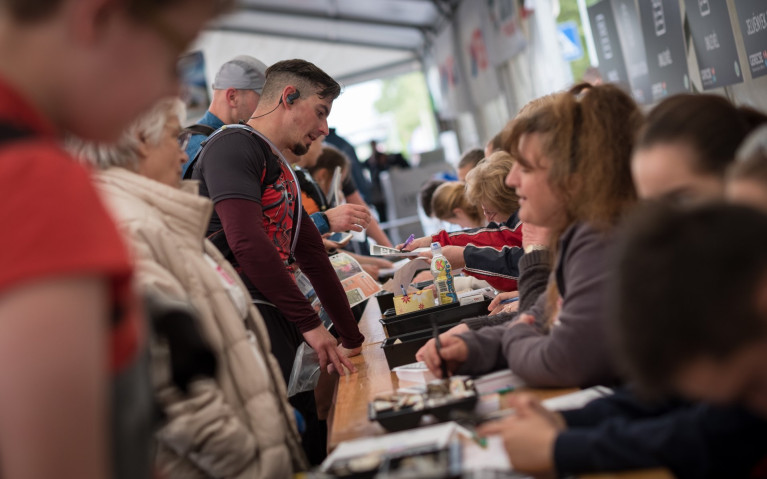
(407, 98)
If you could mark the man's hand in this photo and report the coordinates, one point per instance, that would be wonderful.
(324, 344)
(346, 353)
(348, 217)
(529, 435)
(454, 352)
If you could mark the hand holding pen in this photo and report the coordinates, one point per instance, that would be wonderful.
(443, 350)
(407, 242)
(438, 345)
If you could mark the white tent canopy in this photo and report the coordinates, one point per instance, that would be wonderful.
(352, 40)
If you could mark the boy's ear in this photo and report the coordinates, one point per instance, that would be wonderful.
(90, 19)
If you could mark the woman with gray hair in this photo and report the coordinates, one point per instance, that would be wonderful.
(240, 425)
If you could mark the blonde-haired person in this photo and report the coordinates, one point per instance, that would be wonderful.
(512, 237)
(572, 175)
(489, 253)
(450, 204)
(240, 425)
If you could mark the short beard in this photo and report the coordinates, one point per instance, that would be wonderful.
(299, 149)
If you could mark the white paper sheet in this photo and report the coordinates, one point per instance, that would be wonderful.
(378, 250)
(438, 435)
(577, 399)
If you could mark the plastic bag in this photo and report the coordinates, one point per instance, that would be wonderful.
(306, 371)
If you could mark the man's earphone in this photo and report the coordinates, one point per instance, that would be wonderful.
(291, 98)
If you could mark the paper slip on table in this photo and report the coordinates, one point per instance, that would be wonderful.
(349, 413)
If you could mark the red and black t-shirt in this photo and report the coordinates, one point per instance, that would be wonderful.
(236, 166)
(255, 196)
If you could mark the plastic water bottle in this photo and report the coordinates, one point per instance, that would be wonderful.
(443, 276)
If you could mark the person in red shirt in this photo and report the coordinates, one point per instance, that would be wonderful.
(68, 318)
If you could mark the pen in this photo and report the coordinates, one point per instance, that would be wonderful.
(438, 344)
(510, 300)
(404, 291)
(408, 241)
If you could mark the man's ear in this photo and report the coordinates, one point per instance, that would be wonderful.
(456, 211)
(231, 97)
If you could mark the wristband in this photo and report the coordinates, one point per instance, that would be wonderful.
(534, 247)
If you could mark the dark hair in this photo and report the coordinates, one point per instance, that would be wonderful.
(305, 76)
(471, 158)
(330, 158)
(496, 142)
(427, 192)
(710, 124)
(685, 287)
(31, 11)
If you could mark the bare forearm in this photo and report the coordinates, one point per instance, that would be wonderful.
(53, 367)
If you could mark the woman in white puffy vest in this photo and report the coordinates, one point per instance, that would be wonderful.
(241, 424)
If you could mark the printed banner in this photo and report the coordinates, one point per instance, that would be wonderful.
(664, 46)
(504, 36)
(449, 76)
(632, 44)
(611, 63)
(482, 79)
(714, 43)
(752, 18)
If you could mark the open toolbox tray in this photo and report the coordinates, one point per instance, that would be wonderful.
(444, 314)
(401, 350)
(409, 417)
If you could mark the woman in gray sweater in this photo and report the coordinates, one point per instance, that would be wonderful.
(572, 175)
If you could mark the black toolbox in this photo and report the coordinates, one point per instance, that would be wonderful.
(403, 352)
(444, 314)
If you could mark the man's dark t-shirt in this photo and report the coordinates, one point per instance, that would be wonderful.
(234, 166)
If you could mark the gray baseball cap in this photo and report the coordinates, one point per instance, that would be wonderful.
(243, 73)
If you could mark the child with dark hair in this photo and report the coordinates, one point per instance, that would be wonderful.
(426, 193)
(687, 144)
(468, 161)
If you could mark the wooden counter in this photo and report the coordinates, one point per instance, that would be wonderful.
(349, 414)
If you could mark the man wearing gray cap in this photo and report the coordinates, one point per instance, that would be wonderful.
(236, 91)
